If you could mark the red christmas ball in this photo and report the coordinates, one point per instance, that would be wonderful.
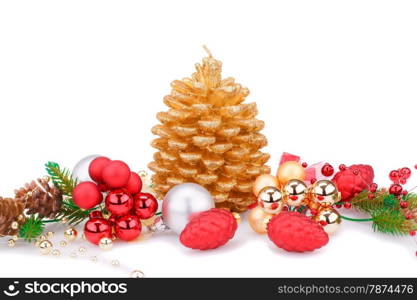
(96, 214)
(119, 202)
(134, 185)
(86, 195)
(145, 205)
(405, 173)
(394, 176)
(116, 174)
(96, 168)
(327, 170)
(395, 189)
(96, 229)
(128, 227)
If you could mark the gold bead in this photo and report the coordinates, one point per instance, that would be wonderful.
(11, 243)
(56, 252)
(106, 243)
(46, 178)
(115, 263)
(45, 247)
(93, 258)
(70, 234)
(237, 217)
(63, 243)
(14, 225)
(20, 217)
(42, 238)
(258, 220)
(270, 199)
(325, 193)
(64, 220)
(82, 250)
(137, 274)
(143, 173)
(50, 234)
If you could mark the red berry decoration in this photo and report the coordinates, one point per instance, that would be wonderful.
(353, 180)
(209, 230)
(327, 170)
(403, 204)
(87, 195)
(304, 165)
(134, 185)
(128, 227)
(119, 202)
(395, 189)
(96, 214)
(342, 167)
(96, 168)
(394, 176)
(405, 172)
(347, 205)
(145, 205)
(373, 188)
(116, 174)
(96, 229)
(295, 232)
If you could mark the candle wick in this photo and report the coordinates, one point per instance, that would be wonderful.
(208, 51)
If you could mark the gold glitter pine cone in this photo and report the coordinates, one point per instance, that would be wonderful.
(40, 198)
(208, 136)
(11, 216)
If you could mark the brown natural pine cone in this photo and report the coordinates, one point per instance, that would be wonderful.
(11, 216)
(40, 198)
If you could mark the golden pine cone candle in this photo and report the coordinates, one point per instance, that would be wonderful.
(210, 137)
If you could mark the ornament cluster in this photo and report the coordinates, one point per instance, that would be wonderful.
(120, 190)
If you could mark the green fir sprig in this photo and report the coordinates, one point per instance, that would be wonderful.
(61, 178)
(31, 229)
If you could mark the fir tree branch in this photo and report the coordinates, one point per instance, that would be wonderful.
(393, 222)
(61, 178)
(31, 229)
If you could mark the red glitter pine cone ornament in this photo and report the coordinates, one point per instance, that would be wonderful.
(353, 180)
(209, 230)
(295, 232)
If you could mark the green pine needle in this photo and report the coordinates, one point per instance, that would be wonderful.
(61, 178)
(392, 221)
(31, 229)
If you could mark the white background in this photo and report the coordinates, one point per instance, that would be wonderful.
(334, 80)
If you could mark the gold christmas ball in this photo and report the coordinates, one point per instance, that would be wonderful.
(70, 234)
(262, 181)
(271, 200)
(290, 170)
(329, 218)
(45, 247)
(325, 193)
(295, 192)
(258, 220)
(105, 244)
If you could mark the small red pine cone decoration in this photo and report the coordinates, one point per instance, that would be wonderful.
(354, 180)
(295, 232)
(209, 230)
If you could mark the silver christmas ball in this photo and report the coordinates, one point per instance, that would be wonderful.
(80, 170)
(182, 202)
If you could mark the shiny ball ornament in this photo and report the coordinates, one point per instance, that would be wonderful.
(87, 195)
(263, 181)
(80, 170)
(128, 228)
(96, 167)
(145, 205)
(134, 185)
(295, 192)
(183, 202)
(137, 274)
(96, 229)
(45, 247)
(395, 189)
(70, 234)
(105, 244)
(271, 200)
(119, 202)
(290, 170)
(329, 218)
(325, 193)
(258, 220)
(116, 174)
